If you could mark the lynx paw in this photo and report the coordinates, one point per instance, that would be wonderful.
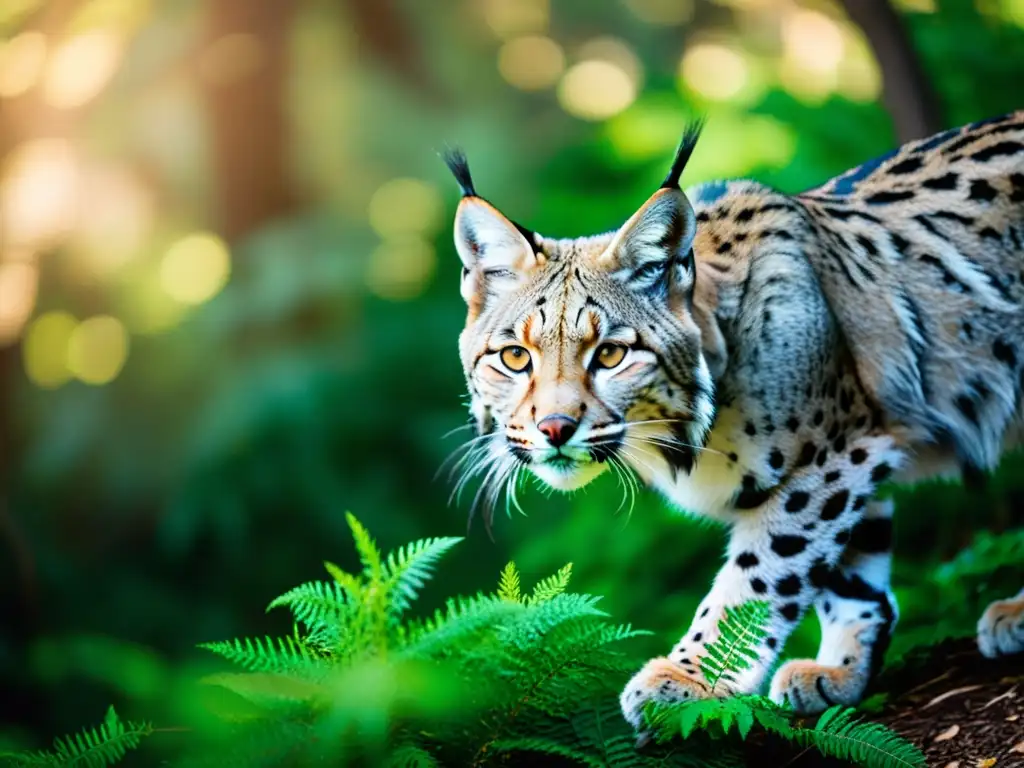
(663, 681)
(810, 687)
(1001, 628)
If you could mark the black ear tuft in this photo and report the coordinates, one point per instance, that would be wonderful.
(690, 136)
(456, 161)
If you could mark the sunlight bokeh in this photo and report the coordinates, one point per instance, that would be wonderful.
(45, 349)
(531, 62)
(596, 90)
(97, 349)
(80, 67)
(21, 63)
(195, 268)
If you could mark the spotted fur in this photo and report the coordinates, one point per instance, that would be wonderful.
(777, 359)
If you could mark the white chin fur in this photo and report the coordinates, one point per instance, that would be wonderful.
(567, 480)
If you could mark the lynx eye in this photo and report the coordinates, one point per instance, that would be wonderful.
(609, 355)
(515, 358)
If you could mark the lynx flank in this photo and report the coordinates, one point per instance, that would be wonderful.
(767, 361)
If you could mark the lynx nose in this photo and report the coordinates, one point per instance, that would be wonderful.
(558, 428)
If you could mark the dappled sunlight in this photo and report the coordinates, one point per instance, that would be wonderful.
(97, 349)
(80, 67)
(45, 349)
(716, 71)
(195, 268)
(531, 62)
(39, 192)
(19, 282)
(596, 90)
(21, 63)
(401, 269)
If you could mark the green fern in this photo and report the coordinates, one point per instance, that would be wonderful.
(96, 747)
(284, 654)
(409, 567)
(840, 733)
(552, 586)
(986, 554)
(508, 585)
(740, 632)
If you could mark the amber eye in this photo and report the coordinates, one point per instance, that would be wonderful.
(515, 358)
(609, 355)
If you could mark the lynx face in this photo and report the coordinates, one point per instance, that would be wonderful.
(582, 354)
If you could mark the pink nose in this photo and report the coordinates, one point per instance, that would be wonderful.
(558, 428)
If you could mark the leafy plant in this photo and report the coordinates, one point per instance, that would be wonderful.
(91, 748)
(514, 674)
(839, 732)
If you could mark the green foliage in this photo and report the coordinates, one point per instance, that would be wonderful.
(96, 747)
(740, 632)
(838, 733)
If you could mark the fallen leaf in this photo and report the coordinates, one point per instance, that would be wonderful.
(1018, 749)
(1013, 718)
(949, 733)
(988, 762)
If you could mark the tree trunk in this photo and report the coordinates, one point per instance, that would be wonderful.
(906, 90)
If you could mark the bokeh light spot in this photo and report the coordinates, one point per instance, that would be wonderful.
(401, 269)
(21, 63)
(664, 12)
(19, 281)
(616, 52)
(38, 192)
(812, 40)
(405, 206)
(509, 18)
(97, 349)
(45, 350)
(112, 227)
(80, 67)
(531, 63)
(715, 71)
(195, 268)
(596, 90)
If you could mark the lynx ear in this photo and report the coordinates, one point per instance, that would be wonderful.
(654, 249)
(495, 252)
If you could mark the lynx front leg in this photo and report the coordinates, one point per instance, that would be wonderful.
(857, 613)
(781, 552)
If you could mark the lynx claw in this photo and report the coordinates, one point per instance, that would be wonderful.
(663, 681)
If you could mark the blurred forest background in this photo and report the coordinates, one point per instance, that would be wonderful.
(229, 306)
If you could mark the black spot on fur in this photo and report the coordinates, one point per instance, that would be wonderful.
(788, 545)
(806, 455)
(776, 459)
(1004, 353)
(750, 429)
(697, 637)
(835, 505)
(745, 215)
(818, 573)
(840, 444)
(859, 502)
(771, 642)
(997, 150)
(758, 586)
(797, 501)
(788, 586)
(1017, 180)
(872, 536)
(822, 457)
(903, 167)
(889, 196)
(881, 473)
(792, 423)
(982, 190)
(790, 611)
(947, 181)
(965, 404)
(819, 417)
(746, 560)
(831, 477)
(858, 456)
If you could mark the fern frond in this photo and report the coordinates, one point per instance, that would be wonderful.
(985, 554)
(508, 585)
(97, 747)
(740, 631)
(411, 756)
(369, 554)
(840, 733)
(531, 626)
(317, 604)
(462, 618)
(552, 586)
(409, 567)
(285, 654)
(350, 583)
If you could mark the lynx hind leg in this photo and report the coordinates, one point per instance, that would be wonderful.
(857, 614)
(1001, 628)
